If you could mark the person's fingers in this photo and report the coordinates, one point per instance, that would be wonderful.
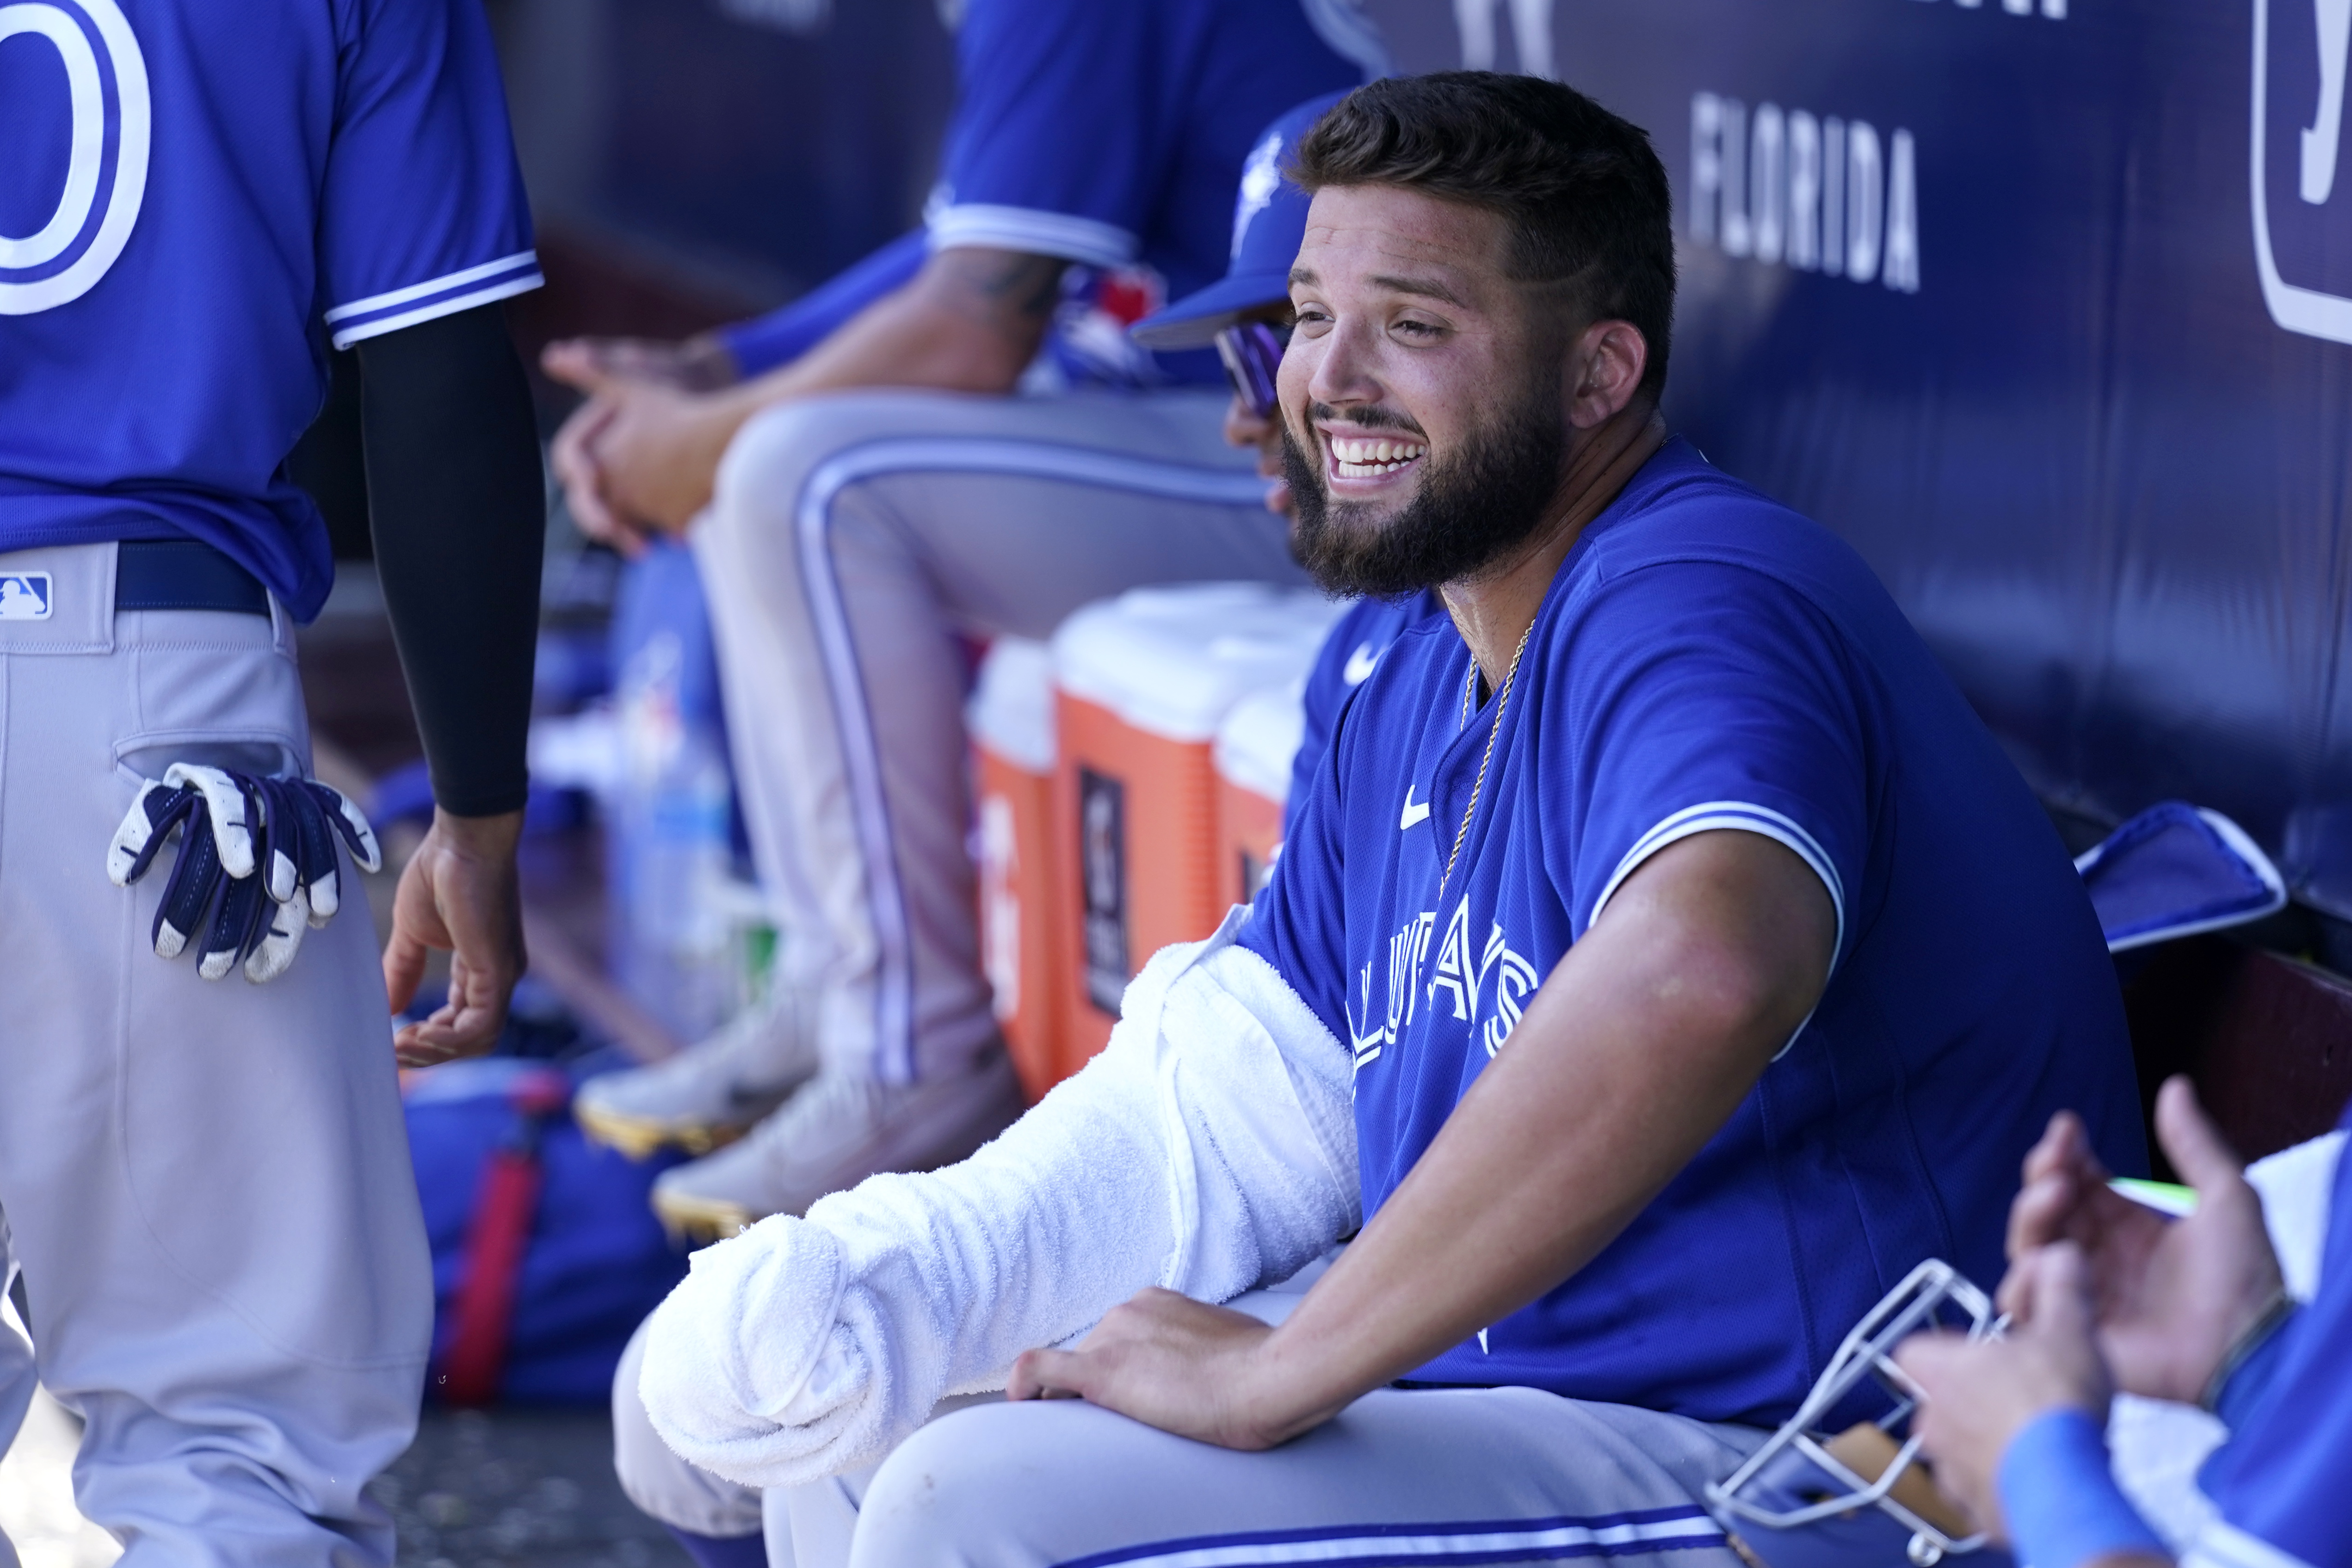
(1046, 1375)
(2016, 1289)
(576, 362)
(2021, 1290)
(466, 1025)
(2038, 1215)
(2192, 1141)
(1927, 1358)
(482, 975)
(2049, 1151)
(451, 1032)
(582, 477)
(403, 966)
(2062, 1291)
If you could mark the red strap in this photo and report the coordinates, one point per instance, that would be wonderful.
(503, 1212)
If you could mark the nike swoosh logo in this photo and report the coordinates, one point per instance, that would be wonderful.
(1360, 664)
(1414, 812)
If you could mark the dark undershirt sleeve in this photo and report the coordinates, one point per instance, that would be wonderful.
(457, 507)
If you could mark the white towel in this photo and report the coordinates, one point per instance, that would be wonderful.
(1211, 1147)
(2296, 1185)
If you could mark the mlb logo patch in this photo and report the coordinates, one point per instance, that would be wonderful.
(23, 595)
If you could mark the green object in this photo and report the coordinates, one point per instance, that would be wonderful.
(2165, 1197)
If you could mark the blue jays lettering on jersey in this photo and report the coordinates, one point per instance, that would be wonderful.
(199, 227)
(2280, 1477)
(1706, 659)
(1350, 654)
(1113, 136)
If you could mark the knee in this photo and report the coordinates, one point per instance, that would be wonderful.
(637, 1450)
(657, 1481)
(960, 1489)
(769, 464)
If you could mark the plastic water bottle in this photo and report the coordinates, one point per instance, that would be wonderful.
(682, 904)
(670, 920)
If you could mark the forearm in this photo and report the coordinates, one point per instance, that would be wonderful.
(456, 506)
(969, 320)
(758, 346)
(1639, 1046)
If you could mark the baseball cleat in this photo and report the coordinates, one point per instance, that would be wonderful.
(712, 1092)
(835, 1133)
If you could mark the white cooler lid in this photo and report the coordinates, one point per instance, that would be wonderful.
(1260, 739)
(1011, 707)
(1173, 661)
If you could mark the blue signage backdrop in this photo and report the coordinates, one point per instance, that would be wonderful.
(2045, 305)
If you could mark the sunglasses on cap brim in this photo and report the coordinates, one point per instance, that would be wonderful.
(1251, 352)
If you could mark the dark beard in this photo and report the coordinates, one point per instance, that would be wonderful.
(1467, 512)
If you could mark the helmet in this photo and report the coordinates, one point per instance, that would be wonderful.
(1859, 1499)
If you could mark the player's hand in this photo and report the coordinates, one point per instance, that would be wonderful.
(2170, 1296)
(697, 365)
(700, 364)
(1173, 1362)
(458, 894)
(1980, 1395)
(572, 455)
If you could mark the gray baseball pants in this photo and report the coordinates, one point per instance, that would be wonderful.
(1403, 1477)
(206, 1184)
(849, 540)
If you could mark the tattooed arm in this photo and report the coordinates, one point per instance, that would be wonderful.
(971, 320)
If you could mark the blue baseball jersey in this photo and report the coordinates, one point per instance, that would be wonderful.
(212, 191)
(1351, 650)
(1706, 659)
(1113, 136)
(2280, 1477)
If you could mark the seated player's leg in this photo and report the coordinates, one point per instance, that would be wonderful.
(1500, 1475)
(719, 1522)
(206, 1182)
(849, 537)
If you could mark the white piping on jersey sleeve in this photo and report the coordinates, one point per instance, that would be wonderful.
(2221, 1544)
(1739, 816)
(443, 296)
(1081, 240)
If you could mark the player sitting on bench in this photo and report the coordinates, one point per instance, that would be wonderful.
(1666, 961)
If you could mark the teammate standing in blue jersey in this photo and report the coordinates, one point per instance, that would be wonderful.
(1672, 949)
(881, 491)
(2105, 1297)
(206, 1191)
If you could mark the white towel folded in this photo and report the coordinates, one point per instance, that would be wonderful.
(1211, 1147)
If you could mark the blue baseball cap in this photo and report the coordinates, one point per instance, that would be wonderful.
(1269, 225)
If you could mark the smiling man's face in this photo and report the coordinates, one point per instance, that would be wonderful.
(1421, 393)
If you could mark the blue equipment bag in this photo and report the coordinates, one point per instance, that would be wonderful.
(575, 1257)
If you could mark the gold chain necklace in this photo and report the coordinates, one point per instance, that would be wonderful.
(1502, 703)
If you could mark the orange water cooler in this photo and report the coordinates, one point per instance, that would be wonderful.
(1254, 748)
(1144, 680)
(1011, 718)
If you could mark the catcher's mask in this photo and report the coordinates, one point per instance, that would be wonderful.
(1860, 1498)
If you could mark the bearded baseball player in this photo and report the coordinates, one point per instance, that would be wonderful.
(1665, 962)
(206, 1191)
